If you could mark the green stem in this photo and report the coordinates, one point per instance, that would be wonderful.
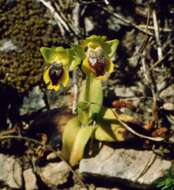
(87, 90)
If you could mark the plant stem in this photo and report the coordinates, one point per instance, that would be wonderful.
(87, 90)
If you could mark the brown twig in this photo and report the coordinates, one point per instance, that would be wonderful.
(156, 139)
(157, 34)
(149, 163)
(124, 20)
(75, 92)
(60, 22)
(150, 80)
(168, 30)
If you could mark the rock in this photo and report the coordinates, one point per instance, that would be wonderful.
(168, 92)
(89, 24)
(124, 91)
(103, 188)
(138, 168)
(30, 180)
(54, 174)
(7, 45)
(168, 106)
(58, 99)
(11, 171)
(33, 102)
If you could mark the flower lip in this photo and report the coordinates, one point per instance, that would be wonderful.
(55, 73)
(97, 61)
(99, 67)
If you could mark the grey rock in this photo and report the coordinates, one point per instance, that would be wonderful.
(7, 45)
(54, 174)
(89, 25)
(168, 92)
(139, 168)
(33, 102)
(103, 188)
(124, 91)
(11, 171)
(30, 180)
(168, 106)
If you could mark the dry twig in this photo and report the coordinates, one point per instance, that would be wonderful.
(167, 30)
(156, 139)
(157, 34)
(125, 20)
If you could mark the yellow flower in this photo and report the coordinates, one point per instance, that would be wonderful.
(98, 56)
(56, 76)
(58, 59)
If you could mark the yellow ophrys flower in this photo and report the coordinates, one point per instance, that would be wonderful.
(58, 60)
(98, 56)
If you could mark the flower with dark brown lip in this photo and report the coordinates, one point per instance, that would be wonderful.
(98, 56)
(97, 61)
(56, 75)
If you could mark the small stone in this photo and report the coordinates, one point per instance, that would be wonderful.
(51, 156)
(103, 188)
(124, 91)
(54, 174)
(33, 102)
(11, 171)
(7, 45)
(89, 24)
(30, 180)
(140, 168)
(168, 106)
(168, 92)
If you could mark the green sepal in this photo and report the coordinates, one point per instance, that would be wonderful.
(112, 47)
(55, 54)
(77, 55)
(93, 41)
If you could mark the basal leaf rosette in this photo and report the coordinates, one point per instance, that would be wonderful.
(98, 56)
(58, 60)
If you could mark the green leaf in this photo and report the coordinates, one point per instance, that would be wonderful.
(74, 140)
(108, 128)
(103, 132)
(113, 44)
(69, 135)
(109, 131)
(80, 143)
(92, 93)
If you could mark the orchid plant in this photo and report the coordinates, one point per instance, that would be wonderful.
(94, 54)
